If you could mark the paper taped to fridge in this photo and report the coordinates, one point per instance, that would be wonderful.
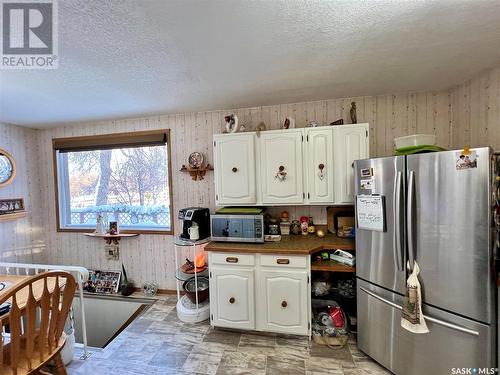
(370, 212)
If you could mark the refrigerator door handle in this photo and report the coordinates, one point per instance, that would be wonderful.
(397, 220)
(382, 299)
(409, 220)
(434, 320)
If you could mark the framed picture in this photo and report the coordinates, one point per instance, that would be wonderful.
(106, 282)
(113, 227)
(9, 206)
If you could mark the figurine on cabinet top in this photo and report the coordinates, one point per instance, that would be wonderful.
(232, 124)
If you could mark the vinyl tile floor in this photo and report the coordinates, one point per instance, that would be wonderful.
(159, 343)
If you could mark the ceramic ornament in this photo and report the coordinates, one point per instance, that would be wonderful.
(232, 124)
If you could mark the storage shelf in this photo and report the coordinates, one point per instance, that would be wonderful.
(181, 276)
(196, 173)
(13, 216)
(106, 235)
(111, 238)
(330, 265)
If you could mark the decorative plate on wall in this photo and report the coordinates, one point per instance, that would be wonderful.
(195, 160)
(7, 168)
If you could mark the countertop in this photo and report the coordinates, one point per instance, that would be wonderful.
(299, 245)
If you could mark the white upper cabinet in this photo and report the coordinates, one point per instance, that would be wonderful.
(350, 143)
(234, 159)
(288, 167)
(281, 167)
(319, 165)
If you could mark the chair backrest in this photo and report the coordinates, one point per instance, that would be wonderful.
(38, 312)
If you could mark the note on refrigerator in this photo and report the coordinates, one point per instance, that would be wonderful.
(370, 212)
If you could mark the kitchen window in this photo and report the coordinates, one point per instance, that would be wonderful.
(123, 177)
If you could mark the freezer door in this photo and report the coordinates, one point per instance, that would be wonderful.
(380, 256)
(449, 232)
(453, 341)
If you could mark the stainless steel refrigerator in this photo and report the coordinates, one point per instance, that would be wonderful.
(437, 211)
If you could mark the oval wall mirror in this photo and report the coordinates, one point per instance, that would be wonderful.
(7, 168)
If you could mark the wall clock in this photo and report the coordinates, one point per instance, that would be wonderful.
(7, 168)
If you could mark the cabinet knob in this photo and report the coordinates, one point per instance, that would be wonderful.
(231, 260)
(321, 173)
(234, 169)
(281, 174)
(283, 261)
(284, 304)
(231, 300)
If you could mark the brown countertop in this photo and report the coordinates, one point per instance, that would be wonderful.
(300, 245)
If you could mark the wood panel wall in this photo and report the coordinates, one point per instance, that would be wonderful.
(476, 111)
(151, 257)
(22, 240)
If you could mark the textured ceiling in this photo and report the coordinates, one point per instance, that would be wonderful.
(137, 57)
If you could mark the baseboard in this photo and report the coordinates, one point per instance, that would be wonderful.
(161, 291)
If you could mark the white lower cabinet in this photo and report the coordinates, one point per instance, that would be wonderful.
(264, 293)
(283, 306)
(232, 297)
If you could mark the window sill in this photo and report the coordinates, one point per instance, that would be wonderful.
(122, 232)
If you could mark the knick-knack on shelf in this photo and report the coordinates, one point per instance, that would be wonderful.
(354, 117)
(232, 124)
(289, 123)
(337, 122)
(99, 227)
(260, 128)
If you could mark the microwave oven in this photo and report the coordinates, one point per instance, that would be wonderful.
(237, 228)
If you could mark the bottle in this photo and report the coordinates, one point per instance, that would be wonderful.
(310, 225)
(304, 223)
(295, 227)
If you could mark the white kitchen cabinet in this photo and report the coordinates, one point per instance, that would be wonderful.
(288, 167)
(232, 297)
(350, 143)
(234, 163)
(284, 306)
(260, 292)
(319, 165)
(281, 167)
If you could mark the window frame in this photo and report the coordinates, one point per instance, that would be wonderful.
(100, 141)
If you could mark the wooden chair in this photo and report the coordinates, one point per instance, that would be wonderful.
(39, 309)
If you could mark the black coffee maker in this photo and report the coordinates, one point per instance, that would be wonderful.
(200, 216)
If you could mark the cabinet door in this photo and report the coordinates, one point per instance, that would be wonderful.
(319, 165)
(232, 298)
(235, 169)
(284, 302)
(281, 167)
(350, 142)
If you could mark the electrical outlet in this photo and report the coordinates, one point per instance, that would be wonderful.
(112, 252)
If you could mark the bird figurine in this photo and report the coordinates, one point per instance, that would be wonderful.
(354, 118)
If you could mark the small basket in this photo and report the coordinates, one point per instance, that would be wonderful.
(334, 341)
(335, 338)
